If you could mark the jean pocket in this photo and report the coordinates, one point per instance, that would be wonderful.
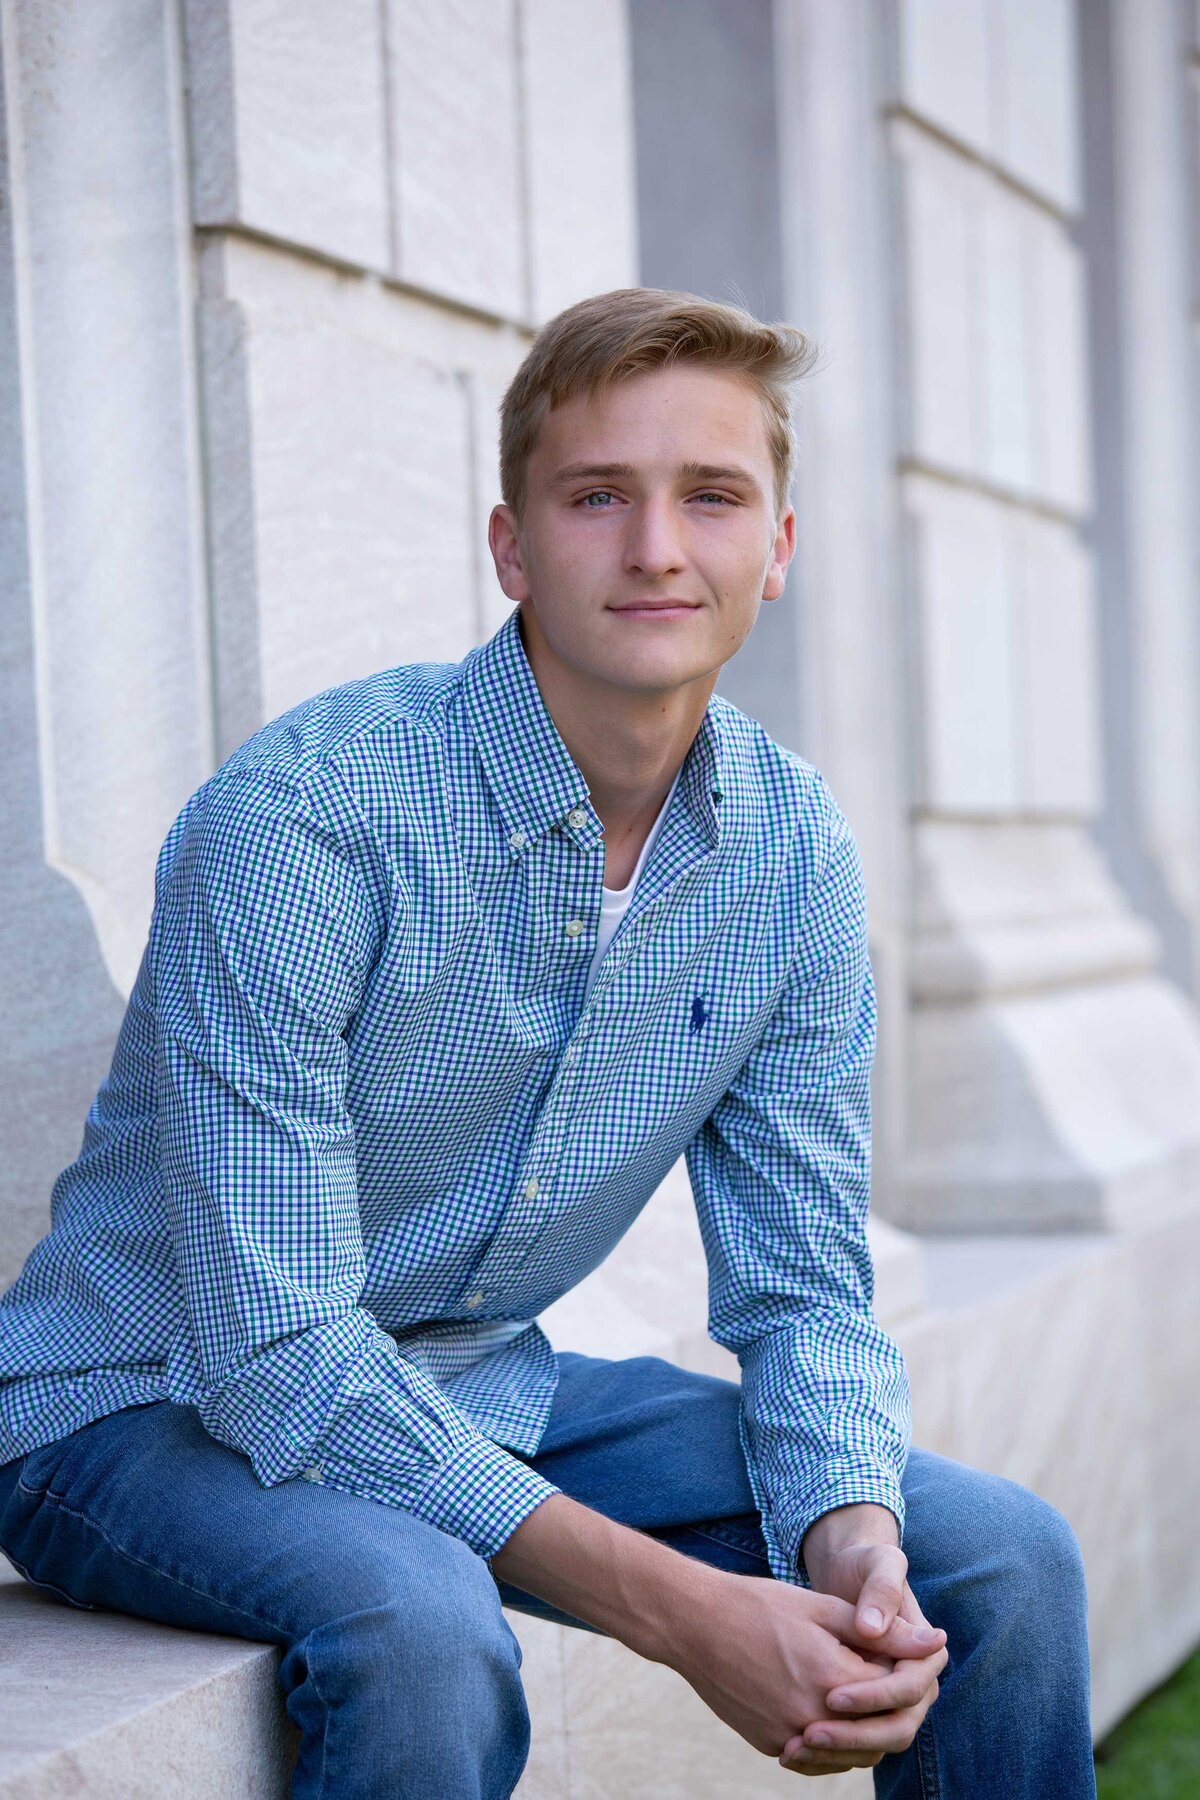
(26, 1522)
(39, 1467)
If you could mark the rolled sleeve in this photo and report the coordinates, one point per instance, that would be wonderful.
(781, 1174)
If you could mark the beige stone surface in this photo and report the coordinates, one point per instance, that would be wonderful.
(484, 389)
(1064, 1362)
(1005, 328)
(943, 51)
(578, 117)
(1153, 345)
(968, 755)
(937, 198)
(460, 223)
(340, 510)
(650, 1295)
(1046, 1110)
(1162, 1273)
(547, 1773)
(1060, 369)
(1035, 96)
(114, 1708)
(288, 133)
(638, 1731)
(1056, 668)
(100, 402)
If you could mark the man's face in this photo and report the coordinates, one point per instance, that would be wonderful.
(660, 488)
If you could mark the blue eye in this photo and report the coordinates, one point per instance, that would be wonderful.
(596, 494)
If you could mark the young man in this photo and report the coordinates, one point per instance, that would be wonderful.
(447, 967)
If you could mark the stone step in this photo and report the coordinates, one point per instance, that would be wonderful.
(112, 1708)
(1060, 1360)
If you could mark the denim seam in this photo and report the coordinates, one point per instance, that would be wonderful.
(927, 1761)
(312, 1676)
(734, 1540)
(191, 1588)
(48, 1586)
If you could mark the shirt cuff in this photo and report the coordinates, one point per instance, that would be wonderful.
(836, 1484)
(481, 1494)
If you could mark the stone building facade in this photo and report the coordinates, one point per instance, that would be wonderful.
(265, 270)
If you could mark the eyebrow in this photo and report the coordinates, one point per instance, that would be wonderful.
(717, 472)
(689, 471)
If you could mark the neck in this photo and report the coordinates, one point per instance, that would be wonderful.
(628, 746)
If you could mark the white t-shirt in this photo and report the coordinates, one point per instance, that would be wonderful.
(614, 901)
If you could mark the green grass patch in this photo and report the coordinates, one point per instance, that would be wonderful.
(1154, 1753)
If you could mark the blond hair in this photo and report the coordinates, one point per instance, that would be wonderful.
(630, 331)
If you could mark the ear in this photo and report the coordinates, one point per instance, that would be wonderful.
(782, 551)
(505, 546)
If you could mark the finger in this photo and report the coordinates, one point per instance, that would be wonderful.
(901, 1638)
(796, 1746)
(882, 1590)
(802, 1761)
(884, 1733)
(904, 1686)
(904, 1637)
(818, 1762)
(910, 1610)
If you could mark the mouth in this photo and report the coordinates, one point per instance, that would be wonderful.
(658, 609)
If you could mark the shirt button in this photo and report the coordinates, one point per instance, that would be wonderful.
(577, 817)
(517, 840)
(531, 1187)
(574, 927)
(475, 1298)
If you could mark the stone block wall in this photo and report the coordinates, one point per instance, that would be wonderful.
(266, 273)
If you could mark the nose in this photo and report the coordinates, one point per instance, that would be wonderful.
(653, 541)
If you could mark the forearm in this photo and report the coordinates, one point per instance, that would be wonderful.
(620, 1580)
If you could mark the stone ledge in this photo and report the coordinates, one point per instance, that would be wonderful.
(1060, 1361)
(93, 1703)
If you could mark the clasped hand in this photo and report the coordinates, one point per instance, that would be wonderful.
(784, 1665)
(871, 1717)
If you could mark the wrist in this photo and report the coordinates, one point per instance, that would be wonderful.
(843, 1528)
(624, 1582)
(686, 1598)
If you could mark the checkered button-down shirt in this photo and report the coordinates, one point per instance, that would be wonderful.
(362, 1126)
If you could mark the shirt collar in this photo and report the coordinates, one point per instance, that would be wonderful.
(536, 781)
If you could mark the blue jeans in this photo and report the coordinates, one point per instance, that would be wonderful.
(399, 1667)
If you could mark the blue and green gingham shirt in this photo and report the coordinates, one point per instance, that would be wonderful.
(361, 1126)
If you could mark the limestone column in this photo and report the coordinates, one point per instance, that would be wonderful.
(1155, 406)
(1054, 1073)
(103, 671)
(849, 685)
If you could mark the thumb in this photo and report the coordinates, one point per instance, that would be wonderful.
(882, 1590)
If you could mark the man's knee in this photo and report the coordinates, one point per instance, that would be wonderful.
(989, 1545)
(431, 1626)
(453, 1637)
(421, 1685)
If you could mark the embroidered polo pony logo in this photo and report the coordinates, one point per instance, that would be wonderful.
(700, 1013)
